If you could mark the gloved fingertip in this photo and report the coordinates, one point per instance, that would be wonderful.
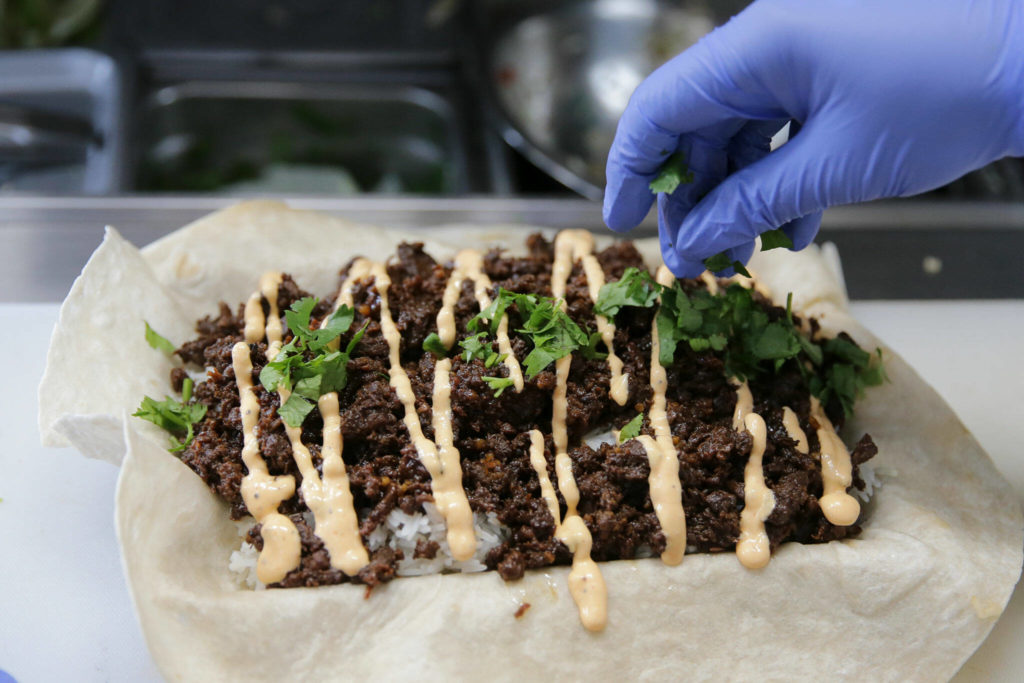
(627, 200)
(682, 268)
(741, 252)
(803, 230)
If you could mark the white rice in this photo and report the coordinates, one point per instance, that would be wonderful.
(242, 562)
(871, 482)
(400, 531)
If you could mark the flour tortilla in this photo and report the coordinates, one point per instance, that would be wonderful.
(911, 598)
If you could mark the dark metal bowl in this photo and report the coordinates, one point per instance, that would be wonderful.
(559, 77)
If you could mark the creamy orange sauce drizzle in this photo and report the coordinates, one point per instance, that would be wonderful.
(753, 548)
(586, 584)
(579, 244)
(469, 265)
(744, 405)
(447, 490)
(340, 528)
(666, 496)
(446, 470)
(358, 270)
(329, 499)
(261, 491)
(661, 453)
(255, 322)
(792, 424)
(839, 507)
(540, 466)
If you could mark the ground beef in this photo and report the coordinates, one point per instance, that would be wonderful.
(492, 432)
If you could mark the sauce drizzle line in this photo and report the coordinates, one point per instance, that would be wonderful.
(666, 490)
(447, 489)
(839, 507)
(261, 491)
(469, 266)
(586, 584)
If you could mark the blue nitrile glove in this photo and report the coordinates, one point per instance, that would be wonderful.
(896, 97)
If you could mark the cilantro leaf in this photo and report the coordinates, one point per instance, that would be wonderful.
(297, 317)
(173, 416)
(590, 351)
(158, 341)
(493, 313)
(721, 261)
(538, 359)
(673, 173)
(718, 262)
(631, 429)
(852, 369)
(295, 410)
(434, 345)
(356, 338)
(774, 239)
(475, 346)
(499, 384)
(635, 288)
(336, 325)
(775, 341)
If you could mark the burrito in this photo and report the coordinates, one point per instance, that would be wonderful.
(451, 444)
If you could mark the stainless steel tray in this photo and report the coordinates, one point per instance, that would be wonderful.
(890, 250)
(203, 136)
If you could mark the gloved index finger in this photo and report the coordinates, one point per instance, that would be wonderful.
(639, 150)
(705, 85)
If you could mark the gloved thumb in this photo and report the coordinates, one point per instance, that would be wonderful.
(787, 188)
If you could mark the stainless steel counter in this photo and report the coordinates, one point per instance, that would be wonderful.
(890, 250)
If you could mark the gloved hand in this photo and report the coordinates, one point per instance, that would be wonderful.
(895, 98)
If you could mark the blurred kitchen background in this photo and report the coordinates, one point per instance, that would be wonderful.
(148, 114)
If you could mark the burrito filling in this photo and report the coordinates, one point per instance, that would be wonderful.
(507, 413)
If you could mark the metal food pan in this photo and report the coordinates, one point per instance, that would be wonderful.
(309, 138)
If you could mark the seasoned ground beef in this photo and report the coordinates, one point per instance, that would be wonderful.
(492, 432)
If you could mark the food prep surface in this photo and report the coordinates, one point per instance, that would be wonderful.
(79, 601)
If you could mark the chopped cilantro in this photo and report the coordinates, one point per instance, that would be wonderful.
(499, 384)
(721, 261)
(176, 417)
(297, 318)
(774, 239)
(158, 341)
(852, 370)
(475, 346)
(673, 173)
(307, 365)
(553, 333)
(636, 287)
(493, 359)
(631, 429)
(434, 345)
